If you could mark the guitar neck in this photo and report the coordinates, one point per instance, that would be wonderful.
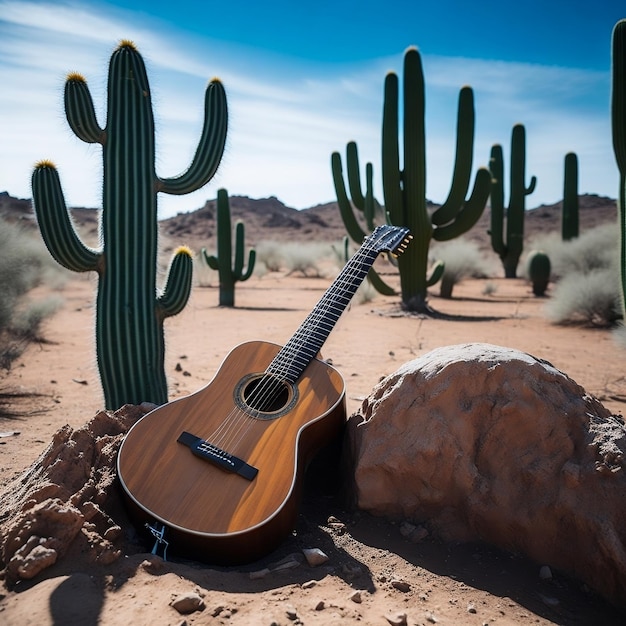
(307, 341)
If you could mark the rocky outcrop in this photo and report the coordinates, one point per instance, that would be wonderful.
(481, 442)
(65, 499)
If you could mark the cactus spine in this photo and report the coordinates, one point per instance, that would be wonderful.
(130, 310)
(569, 223)
(222, 262)
(618, 125)
(510, 251)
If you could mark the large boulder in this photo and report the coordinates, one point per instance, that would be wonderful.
(481, 442)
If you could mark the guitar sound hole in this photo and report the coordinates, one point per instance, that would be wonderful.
(264, 396)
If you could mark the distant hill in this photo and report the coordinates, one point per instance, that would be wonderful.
(269, 219)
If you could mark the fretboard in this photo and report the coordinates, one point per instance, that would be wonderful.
(307, 341)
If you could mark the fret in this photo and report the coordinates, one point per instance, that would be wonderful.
(305, 344)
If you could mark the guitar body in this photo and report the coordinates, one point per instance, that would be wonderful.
(209, 512)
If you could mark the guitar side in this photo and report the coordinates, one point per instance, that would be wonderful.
(212, 514)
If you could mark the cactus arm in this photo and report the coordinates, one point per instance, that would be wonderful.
(239, 249)
(79, 110)
(210, 148)
(569, 221)
(357, 234)
(177, 284)
(55, 222)
(354, 178)
(463, 161)
(391, 174)
(436, 273)
(496, 165)
(470, 211)
(211, 260)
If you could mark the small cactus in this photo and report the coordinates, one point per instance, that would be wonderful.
(130, 310)
(511, 250)
(538, 270)
(229, 272)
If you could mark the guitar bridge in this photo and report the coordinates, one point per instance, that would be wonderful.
(212, 453)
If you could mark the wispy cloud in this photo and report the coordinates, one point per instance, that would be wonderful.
(285, 118)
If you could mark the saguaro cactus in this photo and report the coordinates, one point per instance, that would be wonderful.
(569, 221)
(510, 251)
(618, 125)
(130, 310)
(404, 188)
(228, 274)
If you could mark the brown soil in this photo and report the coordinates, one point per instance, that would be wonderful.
(447, 584)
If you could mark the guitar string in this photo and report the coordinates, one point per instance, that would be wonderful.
(271, 386)
(232, 430)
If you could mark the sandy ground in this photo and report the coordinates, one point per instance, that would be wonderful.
(445, 584)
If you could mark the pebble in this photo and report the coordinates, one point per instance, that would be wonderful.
(320, 606)
(314, 556)
(545, 573)
(356, 596)
(400, 585)
(398, 619)
(188, 603)
(471, 608)
(309, 584)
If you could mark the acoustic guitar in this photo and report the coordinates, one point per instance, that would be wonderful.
(217, 474)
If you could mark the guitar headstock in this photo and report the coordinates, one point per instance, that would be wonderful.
(392, 239)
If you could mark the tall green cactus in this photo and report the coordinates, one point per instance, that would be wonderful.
(222, 262)
(130, 310)
(569, 221)
(510, 251)
(404, 188)
(538, 268)
(618, 125)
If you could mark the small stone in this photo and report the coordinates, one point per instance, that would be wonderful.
(400, 585)
(398, 619)
(291, 614)
(314, 556)
(291, 564)
(320, 606)
(309, 584)
(471, 608)
(545, 573)
(188, 603)
(356, 596)
(430, 617)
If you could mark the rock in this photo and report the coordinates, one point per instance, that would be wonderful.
(356, 597)
(397, 619)
(188, 603)
(485, 443)
(314, 556)
(545, 573)
(400, 585)
(60, 501)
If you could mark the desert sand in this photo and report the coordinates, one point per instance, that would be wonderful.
(373, 575)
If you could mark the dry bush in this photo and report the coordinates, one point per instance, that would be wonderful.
(462, 259)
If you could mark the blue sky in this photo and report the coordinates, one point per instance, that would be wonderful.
(303, 80)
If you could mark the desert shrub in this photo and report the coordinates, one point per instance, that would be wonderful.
(462, 259)
(24, 264)
(587, 274)
(297, 256)
(590, 298)
(594, 249)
